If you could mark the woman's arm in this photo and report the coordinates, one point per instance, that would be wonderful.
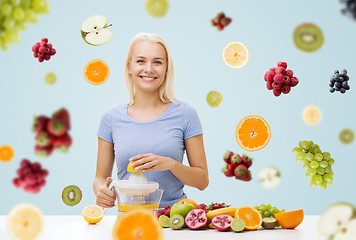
(105, 162)
(195, 176)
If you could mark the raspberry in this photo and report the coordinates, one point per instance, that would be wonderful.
(276, 92)
(289, 73)
(280, 70)
(276, 85)
(286, 79)
(270, 76)
(278, 78)
(285, 89)
(43, 50)
(269, 86)
(273, 69)
(294, 81)
(265, 77)
(282, 64)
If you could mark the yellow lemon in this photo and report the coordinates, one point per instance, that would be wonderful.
(93, 214)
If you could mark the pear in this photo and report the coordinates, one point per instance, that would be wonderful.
(95, 30)
(270, 177)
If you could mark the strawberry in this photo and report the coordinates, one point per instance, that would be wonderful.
(202, 206)
(228, 170)
(40, 123)
(62, 143)
(213, 23)
(63, 115)
(247, 161)
(247, 176)
(227, 156)
(240, 171)
(43, 151)
(219, 26)
(220, 15)
(43, 139)
(57, 127)
(225, 21)
(236, 160)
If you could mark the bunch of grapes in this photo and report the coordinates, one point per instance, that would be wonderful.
(316, 163)
(267, 210)
(15, 15)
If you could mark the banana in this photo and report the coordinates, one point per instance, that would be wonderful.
(228, 210)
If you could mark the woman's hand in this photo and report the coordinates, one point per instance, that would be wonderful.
(148, 162)
(105, 197)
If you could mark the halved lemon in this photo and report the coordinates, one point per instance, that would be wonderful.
(93, 214)
(236, 55)
(131, 169)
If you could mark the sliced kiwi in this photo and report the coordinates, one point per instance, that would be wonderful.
(238, 225)
(308, 37)
(71, 195)
(163, 221)
(346, 136)
(269, 223)
(176, 222)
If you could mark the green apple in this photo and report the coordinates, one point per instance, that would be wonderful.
(181, 209)
(269, 177)
(95, 30)
(347, 231)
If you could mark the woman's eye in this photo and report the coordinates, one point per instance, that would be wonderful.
(158, 62)
(140, 61)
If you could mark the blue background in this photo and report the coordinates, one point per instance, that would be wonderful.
(265, 27)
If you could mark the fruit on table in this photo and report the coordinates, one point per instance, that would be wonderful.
(308, 37)
(346, 136)
(227, 210)
(214, 98)
(156, 8)
(270, 177)
(220, 21)
(71, 195)
(267, 210)
(222, 222)
(196, 219)
(339, 81)
(95, 30)
(96, 72)
(236, 55)
(137, 224)
(290, 219)
(25, 221)
(250, 215)
(253, 133)
(181, 209)
(164, 211)
(312, 115)
(43, 50)
(269, 223)
(335, 219)
(176, 222)
(188, 201)
(93, 214)
(6, 153)
(238, 225)
(163, 221)
(280, 80)
(214, 206)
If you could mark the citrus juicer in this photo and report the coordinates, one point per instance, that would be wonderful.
(136, 192)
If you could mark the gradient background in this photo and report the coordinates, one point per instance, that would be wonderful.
(265, 27)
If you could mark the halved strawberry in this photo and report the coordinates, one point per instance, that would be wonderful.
(44, 151)
(40, 123)
(63, 115)
(62, 143)
(57, 127)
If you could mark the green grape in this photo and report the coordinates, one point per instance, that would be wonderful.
(306, 165)
(18, 13)
(22, 25)
(6, 9)
(9, 23)
(331, 161)
(319, 157)
(9, 36)
(311, 171)
(25, 3)
(323, 164)
(310, 177)
(328, 177)
(316, 151)
(17, 36)
(301, 155)
(320, 170)
(326, 155)
(318, 178)
(313, 184)
(31, 16)
(15, 2)
(38, 4)
(266, 214)
(301, 143)
(305, 145)
(309, 157)
(328, 169)
(299, 160)
(262, 205)
(323, 185)
(314, 164)
(268, 207)
(296, 150)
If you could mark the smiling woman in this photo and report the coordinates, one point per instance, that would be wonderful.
(152, 131)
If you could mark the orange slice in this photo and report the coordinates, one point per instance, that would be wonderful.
(253, 133)
(6, 153)
(290, 219)
(188, 201)
(93, 214)
(251, 216)
(236, 55)
(96, 72)
(137, 224)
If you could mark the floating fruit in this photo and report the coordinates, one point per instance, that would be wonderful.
(290, 219)
(6, 153)
(137, 224)
(188, 201)
(71, 195)
(43, 50)
(346, 136)
(270, 177)
(50, 78)
(214, 98)
(222, 222)
(236, 55)
(93, 214)
(312, 115)
(251, 217)
(25, 222)
(196, 219)
(96, 72)
(95, 30)
(253, 133)
(308, 37)
(156, 8)
(348, 231)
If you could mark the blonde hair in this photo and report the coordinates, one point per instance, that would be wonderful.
(166, 91)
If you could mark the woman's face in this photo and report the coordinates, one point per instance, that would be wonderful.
(148, 66)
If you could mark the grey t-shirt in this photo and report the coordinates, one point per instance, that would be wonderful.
(162, 136)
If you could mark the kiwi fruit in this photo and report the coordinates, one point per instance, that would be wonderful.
(269, 223)
(71, 195)
(176, 222)
(308, 37)
(346, 136)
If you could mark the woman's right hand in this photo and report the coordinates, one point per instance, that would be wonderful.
(105, 197)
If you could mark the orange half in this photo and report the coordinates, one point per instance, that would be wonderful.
(6, 153)
(251, 216)
(290, 219)
(137, 224)
(96, 72)
(253, 133)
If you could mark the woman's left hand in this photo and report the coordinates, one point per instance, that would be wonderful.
(148, 162)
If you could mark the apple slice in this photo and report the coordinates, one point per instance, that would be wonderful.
(335, 218)
(95, 30)
(346, 232)
(270, 177)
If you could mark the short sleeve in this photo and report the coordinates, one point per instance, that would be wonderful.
(105, 127)
(192, 125)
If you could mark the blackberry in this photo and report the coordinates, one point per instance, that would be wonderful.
(349, 9)
(339, 80)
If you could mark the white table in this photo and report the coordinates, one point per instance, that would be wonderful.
(74, 227)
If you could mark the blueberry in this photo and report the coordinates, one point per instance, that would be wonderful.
(347, 87)
(332, 81)
(332, 90)
(337, 89)
(336, 71)
(342, 90)
(344, 71)
(346, 78)
(338, 84)
(336, 79)
(341, 79)
(344, 84)
(331, 84)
